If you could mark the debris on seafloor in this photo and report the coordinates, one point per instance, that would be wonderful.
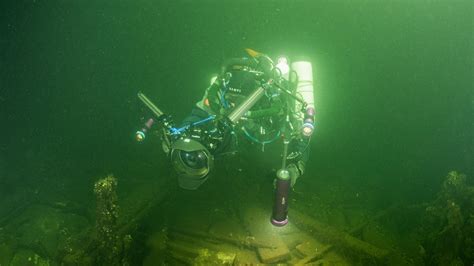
(336, 237)
(257, 223)
(247, 241)
(108, 239)
(271, 245)
(193, 250)
(448, 221)
(310, 252)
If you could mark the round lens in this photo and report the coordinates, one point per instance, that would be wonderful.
(194, 159)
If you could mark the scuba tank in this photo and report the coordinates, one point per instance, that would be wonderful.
(304, 90)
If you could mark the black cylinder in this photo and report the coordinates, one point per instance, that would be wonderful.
(280, 206)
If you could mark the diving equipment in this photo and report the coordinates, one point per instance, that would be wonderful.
(253, 98)
(193, 145)
(295, 172)
(141, 134)
(150, 105)
(305, 90)
(283, 67)
(282, 190)
(308, 122)
(192, 161)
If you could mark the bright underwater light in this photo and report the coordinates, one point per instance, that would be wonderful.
(282, 64)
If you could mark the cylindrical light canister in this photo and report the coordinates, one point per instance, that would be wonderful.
(282, 191)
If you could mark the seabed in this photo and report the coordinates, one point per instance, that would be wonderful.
(145, 222)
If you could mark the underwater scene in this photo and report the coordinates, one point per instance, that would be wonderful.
(206, 132)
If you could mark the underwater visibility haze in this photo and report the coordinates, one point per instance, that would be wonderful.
(117, 148)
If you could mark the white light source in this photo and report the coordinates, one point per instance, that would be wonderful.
(283, 66)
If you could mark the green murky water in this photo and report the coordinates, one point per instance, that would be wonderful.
(394, 100)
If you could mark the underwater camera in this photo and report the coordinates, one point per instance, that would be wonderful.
(192, 162)
(253, 98)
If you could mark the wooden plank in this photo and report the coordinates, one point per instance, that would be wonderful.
(336, 237)
(240, 241)
(316, 254)
(257, 222)
(308, 248)
(294, 239)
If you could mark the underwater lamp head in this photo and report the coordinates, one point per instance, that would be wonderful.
(308, 124)
(140, 136)
(192, 161)
(282, 65)
(308, 129)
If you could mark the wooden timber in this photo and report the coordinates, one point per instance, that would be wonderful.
(133, 211)
(257, 222)
(336, 237)
(248, 241)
